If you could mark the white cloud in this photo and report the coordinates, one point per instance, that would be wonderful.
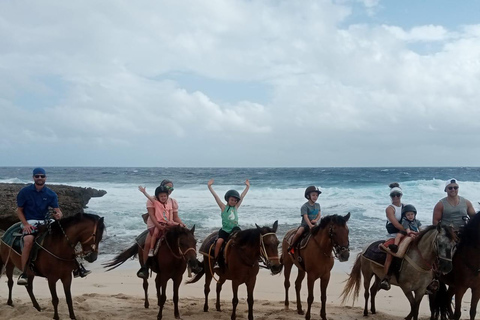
(97, 76)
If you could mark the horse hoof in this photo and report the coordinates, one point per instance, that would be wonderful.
(300, 312)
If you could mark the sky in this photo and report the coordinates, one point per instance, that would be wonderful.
(240, 83)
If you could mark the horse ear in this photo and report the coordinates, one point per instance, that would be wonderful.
(256, 225)
(193, 229)
(439, 227)
(347, 217)
(275, 226)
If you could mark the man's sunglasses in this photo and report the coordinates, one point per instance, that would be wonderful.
(39, 176)
(451, 188)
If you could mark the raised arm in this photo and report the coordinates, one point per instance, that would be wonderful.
(144, 191)
(217, 199)
(244, 193)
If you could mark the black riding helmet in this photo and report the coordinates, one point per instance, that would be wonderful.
(160, 189)
(232, 193)
(310, 190)
(408, 208)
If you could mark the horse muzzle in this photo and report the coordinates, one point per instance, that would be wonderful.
(91, 256)
(343, 254)
(195, 266)
(444, 265)
(276, 268)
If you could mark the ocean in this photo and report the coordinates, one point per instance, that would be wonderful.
(275, 194)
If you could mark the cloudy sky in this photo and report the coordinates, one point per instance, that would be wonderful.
(240, 83)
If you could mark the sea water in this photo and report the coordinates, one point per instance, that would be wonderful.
(275, 194)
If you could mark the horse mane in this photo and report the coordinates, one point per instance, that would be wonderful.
(250, 237)
(470, 235)
(325, 221)
(448, 231)
(56, 226)
(174, 232)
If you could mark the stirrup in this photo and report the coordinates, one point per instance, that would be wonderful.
(22, 280)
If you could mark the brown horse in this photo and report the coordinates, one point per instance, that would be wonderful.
(317, 260)
(466, 271)
(242, 254)
(56, 256)
(170, 262)
(434, 245)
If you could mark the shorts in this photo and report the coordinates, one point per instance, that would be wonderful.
(222, 234)
(35, 224)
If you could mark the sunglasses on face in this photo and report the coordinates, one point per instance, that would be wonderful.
(393, 195)
(39, 176)
(169, 188)
(451, 188)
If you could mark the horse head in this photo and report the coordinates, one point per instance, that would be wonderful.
(444, 246)
(187, 246)
(338, 234)
(91, 236)
(269, 247)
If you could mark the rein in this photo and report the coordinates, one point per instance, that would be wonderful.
(71, 245)
(182, 254)
(263, 251)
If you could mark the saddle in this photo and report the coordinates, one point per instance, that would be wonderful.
(140, 240)
(208, 247)
(13, 238)
(402, 246)
(301, 244)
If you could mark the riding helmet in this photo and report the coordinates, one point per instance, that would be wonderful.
(310, 190)
(232, 193)
(160, 189)
(409, 208)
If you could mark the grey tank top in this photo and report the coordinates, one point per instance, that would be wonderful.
(454, 215)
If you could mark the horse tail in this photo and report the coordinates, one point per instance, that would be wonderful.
(121, 258)
(353, 281)
(199, 274)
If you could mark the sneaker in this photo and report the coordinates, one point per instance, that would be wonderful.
(143, 273)
(22, 280)
(216, 265)
(393, 248)
(432, 287)
(150, 253)
(385, 284)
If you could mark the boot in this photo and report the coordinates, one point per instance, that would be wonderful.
(143, 272)
(81, 271)
(385, 284)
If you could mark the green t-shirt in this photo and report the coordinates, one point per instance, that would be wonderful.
(229, 218)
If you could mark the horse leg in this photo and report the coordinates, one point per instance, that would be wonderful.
(220, 283)
(298, 287)
(323, 290)
(53, 291)
(373, 292)
(145, 289)
(30, 293)
(310, 286)
(235, 285)
(459, 292)
(161, 285)
(208, 280)
(67, 283)
(474, 302)
(367, 277)
(9, 271)
(250, 287)
(176, 285)
(287, 267)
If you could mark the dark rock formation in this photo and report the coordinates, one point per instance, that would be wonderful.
(71, 200)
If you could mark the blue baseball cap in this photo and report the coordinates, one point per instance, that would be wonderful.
(39, 171)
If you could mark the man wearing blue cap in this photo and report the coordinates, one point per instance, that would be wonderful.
(33, 202)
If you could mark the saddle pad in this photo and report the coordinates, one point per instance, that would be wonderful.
(374, 253)
(12, 236)
(304, 238)
(207, 243)
(140, 239)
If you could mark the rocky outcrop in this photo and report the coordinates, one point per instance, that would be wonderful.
(71, 200)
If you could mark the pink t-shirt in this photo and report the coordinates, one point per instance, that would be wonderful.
(162, 212)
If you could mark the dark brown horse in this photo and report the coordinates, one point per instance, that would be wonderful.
(242, 254)
(434, 245)
(56, 256)
(175, 252)
(466, 271)
(317, 260)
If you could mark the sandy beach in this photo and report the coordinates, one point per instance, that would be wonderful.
(118, 294)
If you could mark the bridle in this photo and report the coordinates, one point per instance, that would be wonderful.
(337, 249)
(263, 251)
(181, 254)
